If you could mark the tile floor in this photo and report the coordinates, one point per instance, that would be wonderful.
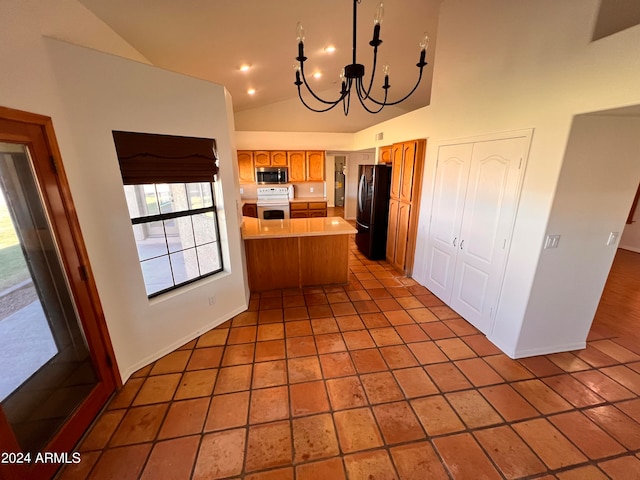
(373, 380)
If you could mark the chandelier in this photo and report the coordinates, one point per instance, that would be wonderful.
(352, 75)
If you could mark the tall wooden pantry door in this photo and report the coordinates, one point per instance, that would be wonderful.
(472, 223)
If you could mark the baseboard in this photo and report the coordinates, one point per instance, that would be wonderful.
(630, 248)
(547, 350)
(177, 344)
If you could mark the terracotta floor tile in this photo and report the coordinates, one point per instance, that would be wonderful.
(233, 379)
(399, 291)
(124, 397)
(184, 418)
(238, 354)
(330, 343)
(140, 424)
(385, 336)
(461, 327)
(586, 435)
(510, 370)
(409, 303)
(595, 357)
(245, 319)
(268, 446)
(549, 444)
(616, 351)
(573, 391)
(411, 333)
(324, 469)
(270, 350)
(436, 416)
(314, 438)
(479, 373)
(568, 362)
(348, 323)
(357, 340)
(319, 311)
(541, 396)
(623, 468)
(427, 352)
(437, 330)
(375, 320)
(368, 361)
(366, 306)
(221, 455)
(398, 423)
(346, 393)
(101, 432)
(203, 358)
(301, 346)
(422, 315)
(371, 284)
(270, 316)
(79, 470)
(621, 427)
(340, 297)
(589, 472)
(414, 382)
(631, 408)
(624, 376)
(340, 309)
(241, 335)
(479, 344)
(213, 338)
(357, 430)
(174, 362)
(297, 328)
(418, 461)
(315, 298)
(381, 387)
(324, 325)
(269, 374)
(541, 366)
(464, 458)
(357, 295)
(293, 301)
(473, 409)
(278, 474)
(512, 456)
(399, 317)
(304, 369)
(455, 348)
(124, 463)
(269, 404)
(509, 403)
(198, 383)
(604, 386)
(268, 303)
(337, 365)
(172, 459)
(308, 398)
(386, 304)
(447, 377)
(398, 356)
(270, 331)
(159, 388)
(227, 411)
(370, 465)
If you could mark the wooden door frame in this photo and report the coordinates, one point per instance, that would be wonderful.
(57, 201)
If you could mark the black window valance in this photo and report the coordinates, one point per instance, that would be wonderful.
(154, 158)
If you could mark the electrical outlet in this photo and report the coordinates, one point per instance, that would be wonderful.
(241, 191)
(311, 189)
(212, 300)
(613, 238)
(552, 241)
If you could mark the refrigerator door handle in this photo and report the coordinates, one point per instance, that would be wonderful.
(360, 186)
(365, 227)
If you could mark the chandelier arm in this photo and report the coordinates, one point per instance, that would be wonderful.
(360, 91)
(373, 73)
(402, 99)
(317, 110)
(304, 80)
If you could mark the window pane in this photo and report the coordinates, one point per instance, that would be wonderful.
(209, 258)
(150, 240)
(200, 195)
(204, 228)
(183, 236)
(185, 266)
(165, 198)
(157, 274)
(141, 200)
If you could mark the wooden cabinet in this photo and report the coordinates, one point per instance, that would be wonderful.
(279, 159)
(315, 166)
(406, 180)
(297, 164)
(308, 209)
(385, 154)
(246, 169)
(250, 210)
(261, 158)
(264, 158)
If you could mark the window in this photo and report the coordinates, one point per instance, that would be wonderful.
(169, 191)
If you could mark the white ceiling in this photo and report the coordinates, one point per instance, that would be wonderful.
(210, 39)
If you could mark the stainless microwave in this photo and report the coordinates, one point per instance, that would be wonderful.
(271, 175)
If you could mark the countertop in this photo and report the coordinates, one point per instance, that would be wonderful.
(255, 228)
(293, 200)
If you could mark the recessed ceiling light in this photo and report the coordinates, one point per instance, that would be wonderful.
(251, 91)
(244, 67)
(317, 75)
(329, 49)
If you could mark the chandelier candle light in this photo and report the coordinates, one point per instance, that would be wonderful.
(353, 74)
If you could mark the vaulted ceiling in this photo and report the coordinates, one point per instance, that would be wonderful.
(211, 39)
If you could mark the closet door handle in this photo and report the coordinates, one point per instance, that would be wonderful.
(461, 243)
(454, 241)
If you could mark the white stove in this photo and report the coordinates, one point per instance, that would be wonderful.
(273, 202)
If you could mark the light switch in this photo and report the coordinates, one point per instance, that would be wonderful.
(241, 191)
(613, 238)
(311, 189)
(551, 241)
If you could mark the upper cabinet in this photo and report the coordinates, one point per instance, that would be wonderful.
(246, 168)
(297, 166)
(315, 166)
(385, 154)
(263, 158)
(279, 159)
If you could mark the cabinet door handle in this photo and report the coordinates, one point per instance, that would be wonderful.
(454, 241)
(461, 243)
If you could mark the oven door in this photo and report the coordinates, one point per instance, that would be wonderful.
(273, 212)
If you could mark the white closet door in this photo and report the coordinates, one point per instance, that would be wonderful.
(489, 211)
(452, 172)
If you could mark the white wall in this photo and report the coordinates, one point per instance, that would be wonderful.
(88, 94)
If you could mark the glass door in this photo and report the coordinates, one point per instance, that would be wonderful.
(55, 368)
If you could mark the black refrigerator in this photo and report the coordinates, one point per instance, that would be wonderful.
(374, 182)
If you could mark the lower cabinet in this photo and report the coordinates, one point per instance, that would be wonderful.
(398, 233)
(308, 209)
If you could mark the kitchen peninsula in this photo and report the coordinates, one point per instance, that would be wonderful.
(296, 252)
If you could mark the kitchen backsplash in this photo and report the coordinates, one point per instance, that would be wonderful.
(299, 190)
